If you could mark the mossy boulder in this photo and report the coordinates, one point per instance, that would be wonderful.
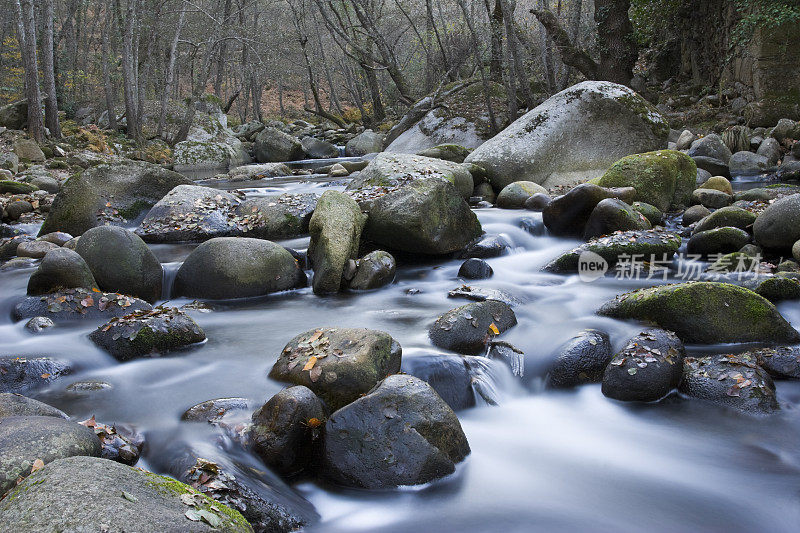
(78, 304)
(779, 288)
(60, 269)
(705, 313)
(400, 433)
(653, 214)
(237, 267)
(65, 495)
(723, 240)
(15, 187)
(665, 178)
(338, 364)
(209, 155)
(612, 215)
(109, 194)
(711, 198)
(718, 183)
(147, 333)
(449, 152)
(731, 380)
(121, 262)
(778, 226)
(514, 195)
(730, 216)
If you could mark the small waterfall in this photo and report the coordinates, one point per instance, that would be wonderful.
(341, 151)
(491, 380)
(170, 272)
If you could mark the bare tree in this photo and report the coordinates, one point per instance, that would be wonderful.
(48, 71)
(26, 28)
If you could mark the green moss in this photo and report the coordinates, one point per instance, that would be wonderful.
(15, 187)
(135, 209)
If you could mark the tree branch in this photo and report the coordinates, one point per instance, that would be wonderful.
(571, 55)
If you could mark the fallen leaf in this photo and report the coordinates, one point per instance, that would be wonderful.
(494, 329)
(315, 373)
(310, 364)
(38, 464)
(45, 375)
(130, 497)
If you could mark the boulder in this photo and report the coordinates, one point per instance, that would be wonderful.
(15, 187)
(449, 375)
(28, 150)
(723, 240)
(711, 154)
(747, 163)
(13, 404)
(318, 149)
(23, 374)
(603, 122)
(275, 217)
(260, 171)
(705, 313)
(658, 243)
(190, 213)
(14, 116)
(778, 226)
(147, 333)
(212, 411)
(338, 364)
(779, 288)
(235, 267)
(44, 183)
(77, 304)
(468, 328)
(711, 198)
(485, 247)
(66, 496)
(9, 161)
(35, 249)
(514, 195)
(566, 215)
(474, 268)
(438, 127)
(449, 152)
(401, 433)
(612, 215)
(779, 361)
(664, 178)
(373, 271)
(685, 140)
(580, 360)
(649, 367)
(730, 216)
(109, 194)
(653, 214)
(364, 143)
(60, 268)
(213, 155)
(121, 262)
(718, 183)
(729, 380)
(26, 439)
(274, 146)
(286, 431)
(538, 202)
(335, 228)
(771, 150)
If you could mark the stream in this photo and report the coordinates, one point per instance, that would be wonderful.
(541, 460)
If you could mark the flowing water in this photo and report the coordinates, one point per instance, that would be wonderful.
(541, 460)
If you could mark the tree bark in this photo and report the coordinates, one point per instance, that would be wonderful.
(571, 55)
(617, 46)
(129, 71)
(173, 56)
(107, 85)
(27, 37)
(48, 72)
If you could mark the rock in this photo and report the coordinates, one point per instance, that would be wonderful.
(737, 138)
(25, 439)
(397, 170)
(15, 187)
(612, 215)
(733, 262)
(260, 171)
(212, 411)
(747, 163)
(346, 362)
(338, 171)
(190, 213)
(14, 116)
(23, 374)
(474, 268)
(10, 162)
(778, 289)
(514, 195)
(65, 496)
(796, 251)
(147, 333)
(286, 431)
(443, 125)
(28, 150)
(685, 140)
(275, 217)
(705, 313)
(401, 433)
(538, 202)
(711, 198)
(109, 194)
(711, 154)
(785, 128)
(16, 208)
(8, 247)
(771, 150)
(664, 178)
(121, 262)
(367, 142)
(658, 243)
(235, 267)
(485, 247)
(449, 152)
(35, 249)
(318, 149)
(718, 183)
(60, 269)
(778, 226)
(274, 146)
(38, 323)
(755, 195)
(780, 361)
(604, 121)
(717, 241)
(731, 381)
(650, 212)
(731, 216)
(448, 375)
(424, 216)
(580, 360)
(12, 404)
(468, 328)
(694, 214)
(57, 237)
(647, 369)
(373, 271)
(335, 228)
(566, 215)
(76, 304)
(215, 155)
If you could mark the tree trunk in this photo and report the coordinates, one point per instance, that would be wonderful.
(27, 38)
(48, 72)
(496, 36)
(223, 49)
(616, 43)
(129, 71)
(173, 56)
(107, 85)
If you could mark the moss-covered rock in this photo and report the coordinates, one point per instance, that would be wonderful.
(730, 216)
(711, 198)
(705, 313)
(723, 240)
(338, 364)
(275, 146)
(653, 214)
(779, 288)
(15, 187)
(778, 226)
(718, 183)
(566, 216)
(514, 195)
(664, 178)
(612, 215)
(731, 380)
(449, 152)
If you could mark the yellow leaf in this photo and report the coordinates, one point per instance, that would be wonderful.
(494, 329)
(38, 464)
(310, 364)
